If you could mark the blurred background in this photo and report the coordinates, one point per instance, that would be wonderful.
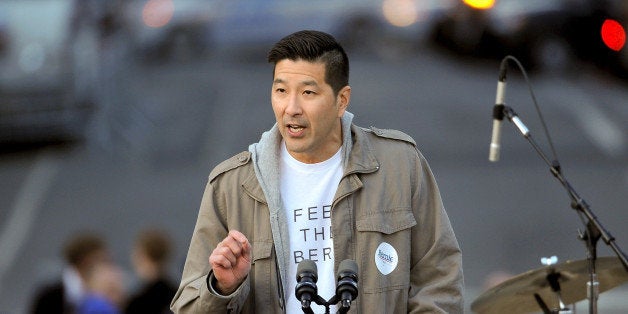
(113, 113)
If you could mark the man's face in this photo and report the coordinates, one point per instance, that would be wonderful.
(307, 110)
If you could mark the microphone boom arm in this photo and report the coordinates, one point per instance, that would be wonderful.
(578, 203)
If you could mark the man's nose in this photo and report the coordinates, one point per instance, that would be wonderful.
(293, 107)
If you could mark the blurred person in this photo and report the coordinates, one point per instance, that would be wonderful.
(150, 256)
(81, 253)
(105, 290)
(105, 16)
(317, 187)
(107, 69)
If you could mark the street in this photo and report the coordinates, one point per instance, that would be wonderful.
(163, 128)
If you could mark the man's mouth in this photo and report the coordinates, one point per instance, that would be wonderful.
(295, 128)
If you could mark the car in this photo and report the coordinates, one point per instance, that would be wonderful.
(48, 73)
(545, 35)
(164, 30)
(171, 29)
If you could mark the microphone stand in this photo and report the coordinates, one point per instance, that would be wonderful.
(590, 237)
(595, 229)
(344, 304)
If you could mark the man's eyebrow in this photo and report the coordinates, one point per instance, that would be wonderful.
(305, 83)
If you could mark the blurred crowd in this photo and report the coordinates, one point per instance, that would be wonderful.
(93, 283)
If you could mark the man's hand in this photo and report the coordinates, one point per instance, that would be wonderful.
(231, 262)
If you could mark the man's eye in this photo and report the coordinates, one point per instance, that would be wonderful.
(309, 92)
(280, 90)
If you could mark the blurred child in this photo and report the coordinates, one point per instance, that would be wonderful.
(150, 255)
(105, 290)
(81, 252)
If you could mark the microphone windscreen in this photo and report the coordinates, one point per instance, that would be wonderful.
(306, 266)
(347, 266)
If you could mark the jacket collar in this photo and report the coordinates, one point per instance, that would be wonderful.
(358, 157)
(361, 159)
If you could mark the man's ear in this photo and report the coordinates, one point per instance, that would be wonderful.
(342, 100)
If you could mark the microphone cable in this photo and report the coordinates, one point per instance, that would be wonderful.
(591, 235)
(503, 65)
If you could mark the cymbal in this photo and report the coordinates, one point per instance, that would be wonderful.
(516, 295)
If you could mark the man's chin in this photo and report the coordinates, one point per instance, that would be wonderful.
(294, 148)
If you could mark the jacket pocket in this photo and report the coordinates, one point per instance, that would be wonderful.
(261, 250)
(261, 266)
(386, 221)
(265, 291)
(384, 245)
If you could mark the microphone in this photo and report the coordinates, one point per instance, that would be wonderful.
(347, 286)
(306, 290)
(498, 113)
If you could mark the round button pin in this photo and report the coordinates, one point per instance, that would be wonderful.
(386, 258)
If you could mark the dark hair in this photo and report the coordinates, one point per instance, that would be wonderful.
(81, 246)
(315, 46)
(155, 244)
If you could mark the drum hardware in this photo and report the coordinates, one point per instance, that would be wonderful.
(550, 287)
(594, 283)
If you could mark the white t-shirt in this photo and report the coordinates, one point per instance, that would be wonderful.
(307, 191)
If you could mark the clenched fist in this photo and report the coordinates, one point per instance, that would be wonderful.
(231, 262)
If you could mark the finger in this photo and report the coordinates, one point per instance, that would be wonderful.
(233, 245)
(246, 251)
(238, 243)
(223, 256)
(245, 246)
(238, 236)
(219, 261)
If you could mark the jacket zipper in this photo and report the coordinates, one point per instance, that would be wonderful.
(281, 296)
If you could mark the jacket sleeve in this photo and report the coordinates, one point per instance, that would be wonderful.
(436, 279)
(194, 295)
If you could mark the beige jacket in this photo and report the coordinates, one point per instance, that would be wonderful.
(387, 195)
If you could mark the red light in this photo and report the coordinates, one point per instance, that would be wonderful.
(613, 34)
(157, 13)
